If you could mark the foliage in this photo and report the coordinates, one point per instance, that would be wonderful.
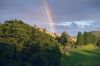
(23, 45)
(89, 38)
(15, 31)
(64, 39)
(7, 51)
(86, 38)
(98, 43)
(79, 39)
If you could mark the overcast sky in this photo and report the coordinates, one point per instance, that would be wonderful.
(69, 15)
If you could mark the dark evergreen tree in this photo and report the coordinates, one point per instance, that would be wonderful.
(98, 42)
(80, 39)
(89, 38)
(93, 39)
(64, 39)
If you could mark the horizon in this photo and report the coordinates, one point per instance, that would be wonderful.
(57, 16)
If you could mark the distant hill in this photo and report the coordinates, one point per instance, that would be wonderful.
(97, 33)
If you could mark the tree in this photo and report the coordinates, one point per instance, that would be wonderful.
(64, 39)
(93, 38)
(89, 38)
(7, 52)
(85, 38)
(23, 45)
(79, 39)
(98, 43)
(15, 31)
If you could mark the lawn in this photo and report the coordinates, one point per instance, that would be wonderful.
(82, 56)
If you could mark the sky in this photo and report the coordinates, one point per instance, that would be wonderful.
(57, 16)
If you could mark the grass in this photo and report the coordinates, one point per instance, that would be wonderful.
(82, 56)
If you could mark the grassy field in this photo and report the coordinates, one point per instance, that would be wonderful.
(82, 56)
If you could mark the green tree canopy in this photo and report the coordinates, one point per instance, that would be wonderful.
(64, 39)
(79, 39)
(24, 45)
(89, 38)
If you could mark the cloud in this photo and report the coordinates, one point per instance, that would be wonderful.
(68, 15)
(74, 10)
(77, 23)
(76, 26)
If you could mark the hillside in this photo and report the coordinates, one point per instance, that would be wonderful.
(23, 45)
(97, 33)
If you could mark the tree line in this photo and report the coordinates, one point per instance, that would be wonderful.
(82, 39)
(87, 38)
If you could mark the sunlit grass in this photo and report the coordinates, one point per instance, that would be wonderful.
(87, 55)
(87, 47)
(84, 48)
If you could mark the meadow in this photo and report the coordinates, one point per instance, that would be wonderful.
(88, 55)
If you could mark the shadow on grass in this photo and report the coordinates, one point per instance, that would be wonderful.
(93, 52)
(82, 59)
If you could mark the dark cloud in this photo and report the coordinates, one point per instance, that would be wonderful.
(32, 12)
(70, 10)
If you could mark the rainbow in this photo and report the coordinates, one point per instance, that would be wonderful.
(49, 15)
